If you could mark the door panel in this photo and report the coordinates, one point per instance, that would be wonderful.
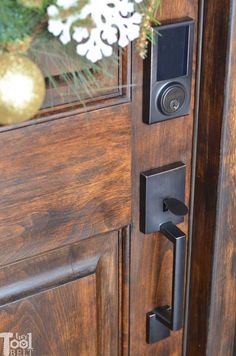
(63, 181)
(68, 299)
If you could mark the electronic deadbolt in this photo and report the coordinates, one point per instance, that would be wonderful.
(168, 72)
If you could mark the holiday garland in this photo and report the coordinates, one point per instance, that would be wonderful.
(55, 30)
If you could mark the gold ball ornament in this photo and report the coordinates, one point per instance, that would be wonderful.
(22, 89)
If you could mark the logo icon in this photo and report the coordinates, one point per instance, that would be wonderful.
(16, 344)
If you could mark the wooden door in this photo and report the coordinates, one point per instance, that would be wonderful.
(77, 275)
(64, 221)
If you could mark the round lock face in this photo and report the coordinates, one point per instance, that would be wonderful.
(172, 99)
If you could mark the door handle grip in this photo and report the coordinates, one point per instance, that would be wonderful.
(172, 316)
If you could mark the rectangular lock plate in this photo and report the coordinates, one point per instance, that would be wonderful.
(155, 186)
(168, 72)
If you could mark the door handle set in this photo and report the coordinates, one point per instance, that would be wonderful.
(162, 208)
(167, 94)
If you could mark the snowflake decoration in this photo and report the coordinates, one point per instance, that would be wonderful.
(114, 20)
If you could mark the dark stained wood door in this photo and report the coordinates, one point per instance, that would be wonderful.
(64, 220)
(75, 271)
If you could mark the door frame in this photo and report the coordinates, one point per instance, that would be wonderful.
(211, 312)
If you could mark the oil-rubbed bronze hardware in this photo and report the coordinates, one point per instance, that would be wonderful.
(168, 72)
(162, 207)
(165, 318)
(162, 197)
(175, 206)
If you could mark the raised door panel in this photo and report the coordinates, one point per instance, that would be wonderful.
(68, 300)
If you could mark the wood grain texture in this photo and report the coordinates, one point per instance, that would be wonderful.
(151, 258)
(68, 299)
(63, 181)
(212, 312)
(59, 319)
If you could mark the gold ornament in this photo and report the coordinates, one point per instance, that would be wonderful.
(22, 88)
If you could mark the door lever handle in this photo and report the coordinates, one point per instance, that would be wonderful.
(175, 206)
(162, 192)
(174, 317)
(165, 318)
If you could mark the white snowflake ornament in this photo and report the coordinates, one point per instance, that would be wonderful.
(114, 21)
(56, 25)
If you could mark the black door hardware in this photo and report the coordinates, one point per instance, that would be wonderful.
(162, 207)
(168, 72)
(165, 318)
(175, 206)
(162, 197)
